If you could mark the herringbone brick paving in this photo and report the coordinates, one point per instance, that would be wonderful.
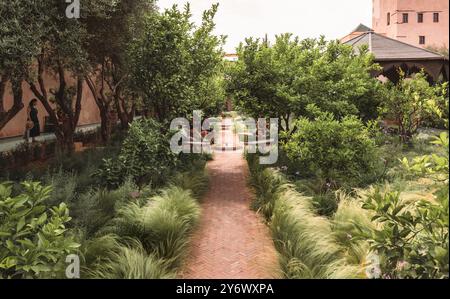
(231, 241)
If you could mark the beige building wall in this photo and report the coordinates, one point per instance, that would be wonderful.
(89, 111)
(436, 34)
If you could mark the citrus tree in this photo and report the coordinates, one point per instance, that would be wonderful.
(175, 65)
(409, 101)
(339, 151)
(283, 79)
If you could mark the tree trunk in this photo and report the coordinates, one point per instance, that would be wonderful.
(66, 144)
(6, 116)
(103, 104)
(69, 146)
(105, 127)
(65, 122)
(125, 116)
(286, 121)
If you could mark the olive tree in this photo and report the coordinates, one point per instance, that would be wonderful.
(109, 33)
(61, 55)
(20, 27)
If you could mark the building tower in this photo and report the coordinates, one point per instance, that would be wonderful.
(422, 23)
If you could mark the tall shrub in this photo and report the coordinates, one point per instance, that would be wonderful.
(409, 103)
(339, 151)
(145, 156)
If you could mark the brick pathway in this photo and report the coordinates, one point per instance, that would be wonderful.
(231, 240)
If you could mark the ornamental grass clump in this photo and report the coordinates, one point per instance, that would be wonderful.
(307, 245)
(162, 225)
(267, 184)
(195, 181)
(347, 223)
(306, 241)
(132, 262)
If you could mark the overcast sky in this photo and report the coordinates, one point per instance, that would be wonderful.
(239, 19)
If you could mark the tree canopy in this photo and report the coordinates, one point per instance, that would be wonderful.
(285, 78)
(176, 65)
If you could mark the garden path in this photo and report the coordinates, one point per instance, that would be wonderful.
(231, 241)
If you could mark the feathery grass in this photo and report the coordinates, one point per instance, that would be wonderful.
(195, 181)
(96, 251)
(163, 225)
(306, 241)
(348, 217)
(94, 209)
(64, 186)
(267, 184)
(131, 262)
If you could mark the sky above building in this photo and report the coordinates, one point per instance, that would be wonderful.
(238, 19)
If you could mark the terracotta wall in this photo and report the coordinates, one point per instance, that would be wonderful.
(89, 112)
(436, 34)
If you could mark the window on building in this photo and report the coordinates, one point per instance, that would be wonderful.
(405, 18)
(420, 17)
(389, 18)
(436, 17)
(422, 40)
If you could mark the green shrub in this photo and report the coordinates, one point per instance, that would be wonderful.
(25, 152)
(411, 103)
(145, 156)
(33, 240)
(339, 151)
(325, 203)
(188, 162)
(411, 237)
(322, 196)
(78, 161)
(6, 161)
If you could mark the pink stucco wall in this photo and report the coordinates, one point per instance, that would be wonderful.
(436, 34)
(89, 112)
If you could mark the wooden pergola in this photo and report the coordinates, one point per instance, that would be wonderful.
(392, 54)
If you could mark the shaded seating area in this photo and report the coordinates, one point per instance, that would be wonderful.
(392, 54)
